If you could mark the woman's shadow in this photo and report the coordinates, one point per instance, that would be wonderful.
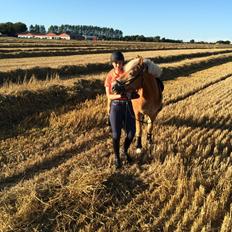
(119, 189)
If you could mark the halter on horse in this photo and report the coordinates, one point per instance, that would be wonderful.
(140, 74)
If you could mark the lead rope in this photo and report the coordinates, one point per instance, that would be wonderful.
(126, 115)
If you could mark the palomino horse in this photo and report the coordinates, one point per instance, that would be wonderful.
(140, 75)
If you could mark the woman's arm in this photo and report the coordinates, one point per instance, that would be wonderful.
(111, 96)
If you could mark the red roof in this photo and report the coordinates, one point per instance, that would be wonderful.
(51, 34)
(64, 35)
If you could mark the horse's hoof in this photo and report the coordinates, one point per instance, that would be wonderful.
(138, 150)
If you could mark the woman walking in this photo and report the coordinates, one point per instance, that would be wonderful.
(120, 110)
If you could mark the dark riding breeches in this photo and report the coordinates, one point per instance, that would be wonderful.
(122, 116)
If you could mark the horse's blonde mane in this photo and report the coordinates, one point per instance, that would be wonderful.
(153, 68)
(131, 64)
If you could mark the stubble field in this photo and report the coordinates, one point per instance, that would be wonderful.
(56, 157)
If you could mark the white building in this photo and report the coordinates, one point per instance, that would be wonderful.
(65, 36)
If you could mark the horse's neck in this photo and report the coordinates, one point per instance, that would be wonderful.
(150, 92)
(148, 85)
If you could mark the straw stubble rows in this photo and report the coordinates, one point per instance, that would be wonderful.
(58, 176)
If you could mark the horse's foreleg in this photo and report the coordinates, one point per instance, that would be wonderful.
(138, 133)
(149, 131)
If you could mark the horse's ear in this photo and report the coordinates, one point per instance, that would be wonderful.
(140, 60)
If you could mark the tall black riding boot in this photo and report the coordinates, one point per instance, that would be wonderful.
(117, 162)
(126, 146)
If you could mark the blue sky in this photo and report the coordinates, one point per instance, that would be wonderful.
(208, 20)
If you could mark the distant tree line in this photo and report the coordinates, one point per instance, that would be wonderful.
(38, 29)
(149, 39)
(142, 38)
(12, 29)
(223, 42)
(100, 32)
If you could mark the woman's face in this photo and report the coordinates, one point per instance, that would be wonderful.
(118, 66)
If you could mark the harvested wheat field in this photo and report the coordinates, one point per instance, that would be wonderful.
(56, 155)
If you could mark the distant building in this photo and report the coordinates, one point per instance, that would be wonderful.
(52, 36)
(40, 36)
(71, 35)
(66, 36)
(26, 35)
